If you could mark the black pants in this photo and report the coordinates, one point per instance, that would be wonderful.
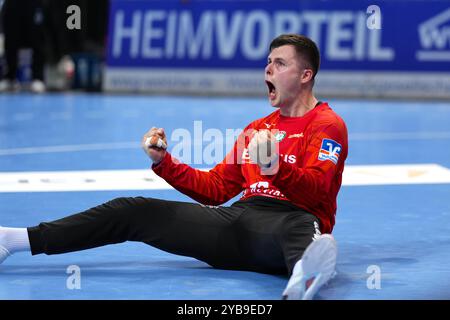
(260, 234)
(23, 26)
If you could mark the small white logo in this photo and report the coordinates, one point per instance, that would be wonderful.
(317, 232)
(74, 20)
(374, 280)
(208, 206)
(74, 280)
(374, 20)
(434, 37)
(268, 125)
(296, 135)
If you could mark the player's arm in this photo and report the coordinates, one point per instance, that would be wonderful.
(213, 187)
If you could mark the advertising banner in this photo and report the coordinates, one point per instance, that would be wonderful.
(383, 49)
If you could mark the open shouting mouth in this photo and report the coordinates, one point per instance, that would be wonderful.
(272, 89)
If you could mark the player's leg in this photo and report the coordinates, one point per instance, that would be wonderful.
(310, 256)
(178, 227)
(273, 239)
(203, 232)
(276, 241)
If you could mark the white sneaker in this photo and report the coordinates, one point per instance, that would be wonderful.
(316, 267)
(4, 253)
(37, 86)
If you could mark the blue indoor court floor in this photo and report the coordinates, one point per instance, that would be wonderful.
(392, 224)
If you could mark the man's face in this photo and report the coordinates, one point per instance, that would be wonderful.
(283, 76)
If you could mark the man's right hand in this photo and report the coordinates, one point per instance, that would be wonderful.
(154, 144)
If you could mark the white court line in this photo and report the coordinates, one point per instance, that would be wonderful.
(146, 179)
(395, 174)
(375, 136)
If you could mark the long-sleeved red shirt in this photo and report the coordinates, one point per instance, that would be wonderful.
(312, 152)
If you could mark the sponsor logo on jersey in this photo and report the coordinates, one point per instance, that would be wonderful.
(260, 184)
(289, 158)
(263, 188)
(330, 150)
(296, 135)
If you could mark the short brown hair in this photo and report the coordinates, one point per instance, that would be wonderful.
(305, 48)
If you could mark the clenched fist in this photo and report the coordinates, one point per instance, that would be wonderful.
(263, 150)
(154, 144)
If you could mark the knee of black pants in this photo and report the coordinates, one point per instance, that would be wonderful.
(146, 218)
(122, 202)
(127, 205)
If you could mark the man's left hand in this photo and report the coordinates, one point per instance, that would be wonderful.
(263, 150)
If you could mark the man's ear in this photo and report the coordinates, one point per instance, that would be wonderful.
(306, 75)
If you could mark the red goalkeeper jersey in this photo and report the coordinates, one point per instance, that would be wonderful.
(312, 152)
